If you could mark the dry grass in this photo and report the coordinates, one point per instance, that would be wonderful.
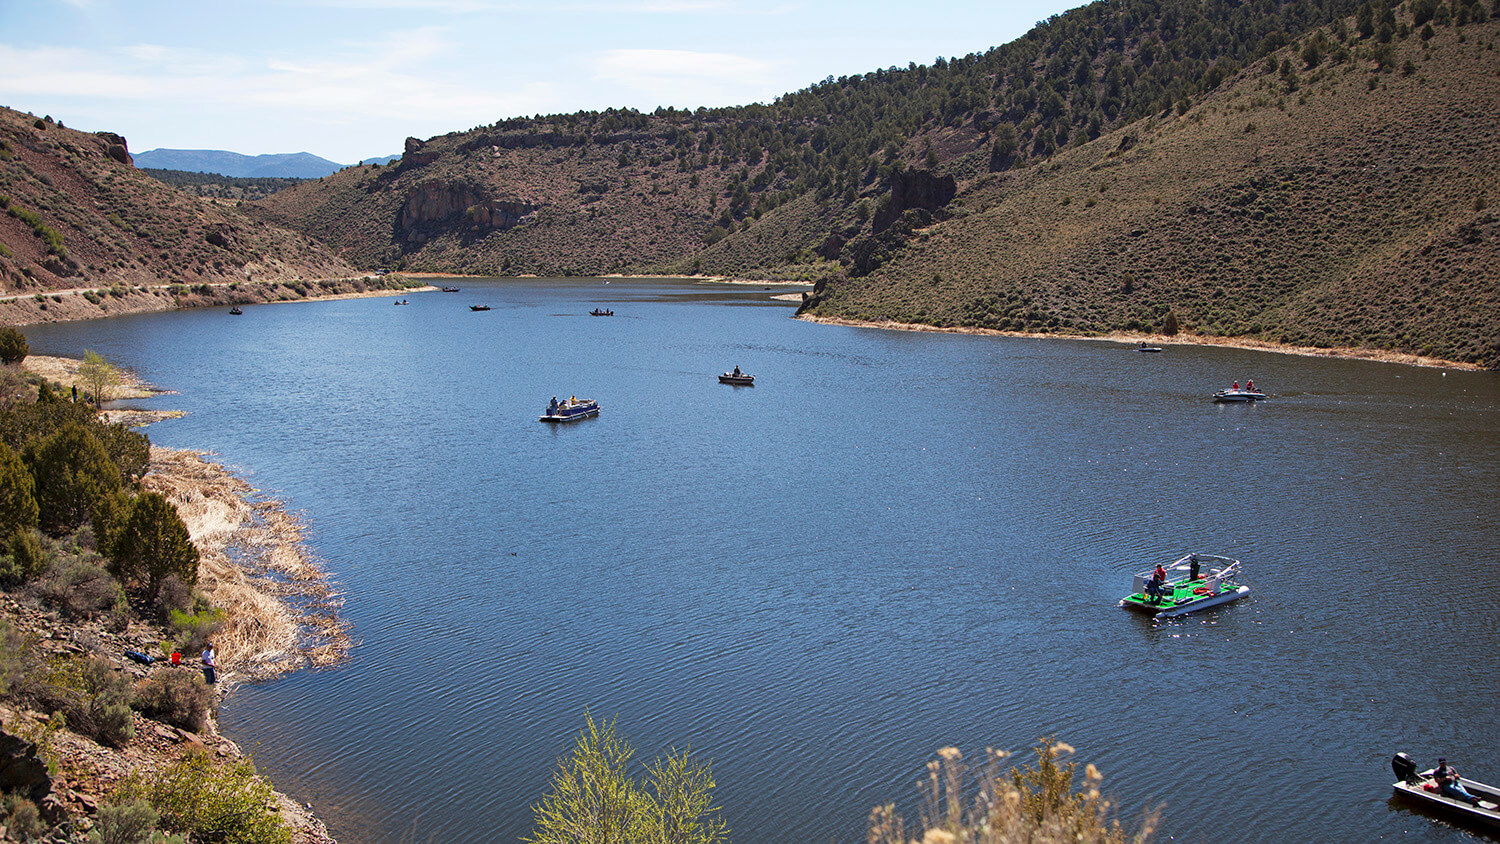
(281, 611)
(997, 804)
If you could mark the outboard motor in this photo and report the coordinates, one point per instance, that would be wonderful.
(1405, 768)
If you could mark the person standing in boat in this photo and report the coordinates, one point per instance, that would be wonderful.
(1449, 783)
(736, 372)
(1192, 567)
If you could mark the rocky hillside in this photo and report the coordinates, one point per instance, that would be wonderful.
(78, 214)
(1310, 173)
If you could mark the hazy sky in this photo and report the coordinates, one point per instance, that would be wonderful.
(351, 79)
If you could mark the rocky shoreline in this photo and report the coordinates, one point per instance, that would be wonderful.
(281, 613)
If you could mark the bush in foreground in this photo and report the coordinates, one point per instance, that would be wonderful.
(209, 801)
(1034, 803)
(594, 800)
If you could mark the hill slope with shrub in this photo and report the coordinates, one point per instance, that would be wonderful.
(78, 214)
(1340, 204)
(1300, 172)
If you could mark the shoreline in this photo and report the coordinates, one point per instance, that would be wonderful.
(1122, 337)
(281, 608)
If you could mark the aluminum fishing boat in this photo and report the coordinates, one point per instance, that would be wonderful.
(737, 378)
(1423, 789)
(1192, 583)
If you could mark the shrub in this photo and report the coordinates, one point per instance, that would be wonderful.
(25, 559)
(1034, 803)
(91, 694)
(174, 696)
(592, 797)
(13, 346)
(209, 801)
(81, 588)
(129, 822)
(193, 630)
(23, 819)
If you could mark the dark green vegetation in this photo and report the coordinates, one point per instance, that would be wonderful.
(215, 186)
(85, 549)
(78, 214)
(1302, 172)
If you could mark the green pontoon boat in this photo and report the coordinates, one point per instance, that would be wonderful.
(1195, 582)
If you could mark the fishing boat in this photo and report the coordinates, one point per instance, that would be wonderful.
(450, 289)
(236, 310)
(1145, 348)
(479, 307)
(1186, 588)
(1422, 788)
(597, 312)
(570, 409)
(737, 378)
(1236, 394)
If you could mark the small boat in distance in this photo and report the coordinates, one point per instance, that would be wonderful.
(1184, 589)
(1422, 788)
(1145, 348)
(597, 312)
(479, 307)
(236, 310)
(1234, 395)
(402, 302)
(737, 378)
(450, 289)
(570, 409)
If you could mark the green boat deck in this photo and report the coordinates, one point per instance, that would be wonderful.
(1173, 594)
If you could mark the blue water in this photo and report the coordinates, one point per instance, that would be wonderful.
(891, 543)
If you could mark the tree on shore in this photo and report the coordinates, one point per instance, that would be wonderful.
(98, 374)
(151, 542)
(13, 347)
(72, 470)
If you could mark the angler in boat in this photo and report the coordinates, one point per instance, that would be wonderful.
(1179, 588)
(1442, 788)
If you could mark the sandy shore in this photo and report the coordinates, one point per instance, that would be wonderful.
(1170, 340)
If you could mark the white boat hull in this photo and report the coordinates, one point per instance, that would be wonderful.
(1205, 602)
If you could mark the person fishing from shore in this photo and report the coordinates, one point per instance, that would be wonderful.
(210, 664)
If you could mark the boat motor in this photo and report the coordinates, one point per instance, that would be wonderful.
(1405, 768)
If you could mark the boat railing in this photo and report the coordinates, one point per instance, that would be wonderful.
(1212, 569)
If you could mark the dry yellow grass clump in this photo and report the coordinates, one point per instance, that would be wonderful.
(993, 804)
(280, 611)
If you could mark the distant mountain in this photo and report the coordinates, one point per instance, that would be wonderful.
(298, 165)
(382, 160)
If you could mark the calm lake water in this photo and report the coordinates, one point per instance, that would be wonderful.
(893, 542)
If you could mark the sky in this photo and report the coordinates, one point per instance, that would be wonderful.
(352, 79)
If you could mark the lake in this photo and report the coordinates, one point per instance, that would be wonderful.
(893, 542)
